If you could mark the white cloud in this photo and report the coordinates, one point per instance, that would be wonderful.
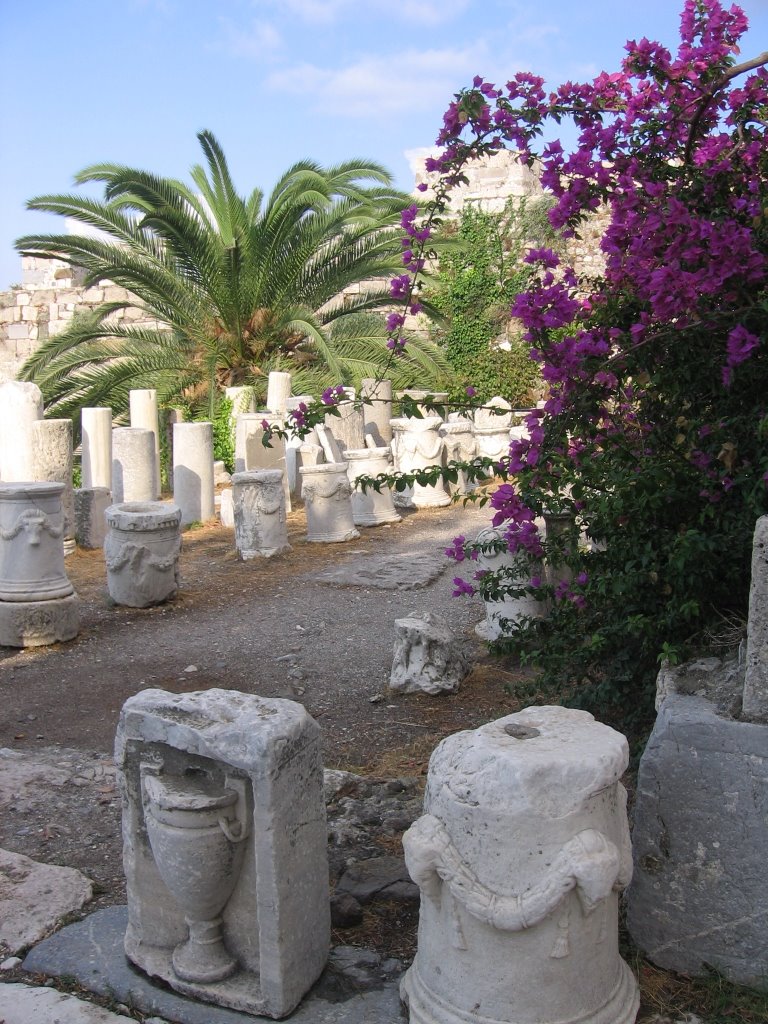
(256, 39)
(409, 80)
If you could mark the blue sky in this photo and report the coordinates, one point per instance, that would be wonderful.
(132, 81)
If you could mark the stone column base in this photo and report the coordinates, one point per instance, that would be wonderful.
(425, 1007)
(39, 623)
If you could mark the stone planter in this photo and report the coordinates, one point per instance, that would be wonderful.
(258, 501)
(515, 567)
(520, 855)
(142, 552)
(328, 503)
(370, 507)
(38, 605)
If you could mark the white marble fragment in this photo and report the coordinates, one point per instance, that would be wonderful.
(427, 656)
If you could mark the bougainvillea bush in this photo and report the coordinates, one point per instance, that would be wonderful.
(654, 434)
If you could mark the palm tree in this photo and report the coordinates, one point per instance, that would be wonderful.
(228, 288)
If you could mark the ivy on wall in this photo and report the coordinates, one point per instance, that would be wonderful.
(477, 279)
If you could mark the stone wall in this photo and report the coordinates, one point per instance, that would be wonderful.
(51, 292)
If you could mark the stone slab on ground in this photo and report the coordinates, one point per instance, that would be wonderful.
(404, 571)
(34, 897)
(91, 951)
(22, 1004)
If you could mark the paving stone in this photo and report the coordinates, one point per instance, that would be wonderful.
(91, 951)
(404, 571)
(21, 1004)
(34, 897)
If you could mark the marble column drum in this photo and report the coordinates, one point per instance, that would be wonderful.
(21, 405)
(96, 447)
(377, 410)
(193, 488)
(133, 464)
(520, 855)
(142, 551)
(38, 605)
(144, 414)
(328, 503)
(52, 460)
(258, 501)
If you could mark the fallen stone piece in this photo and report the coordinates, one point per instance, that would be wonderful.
(20, 1004)
(34, 897)
(427, 656)
(378, 877)
(91, 951)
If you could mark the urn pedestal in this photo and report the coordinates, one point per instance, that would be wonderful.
(370, 507)
(520, 855)
(328, 503)
(258, 505)
(142, 551)
(38, 605)
(417, 444)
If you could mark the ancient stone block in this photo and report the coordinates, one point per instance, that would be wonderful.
(699, 897)
(224, 846)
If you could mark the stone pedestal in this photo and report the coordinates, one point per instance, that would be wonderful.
(308, 455)
(417, 445)
(142, 552)
(96, 447)
(520, 854)
(91, 504)
(370, 507)
(327, 500)
(258, 501)
(38, 605)
(52, 461)
(225, 846)
(514, 569)
(459, 445)
(144, 414)
(193, 489)
(278, 392)
(133, 464)
(21, 405)
(377, 410)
